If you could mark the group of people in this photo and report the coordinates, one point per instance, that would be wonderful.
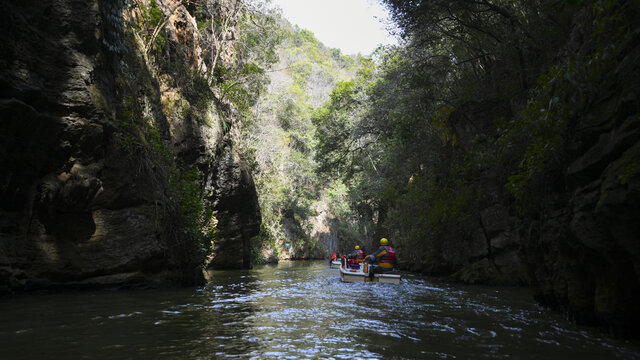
(383, 260)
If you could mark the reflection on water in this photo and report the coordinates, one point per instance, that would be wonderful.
(297, 310)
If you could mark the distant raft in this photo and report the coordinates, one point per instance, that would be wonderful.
(352, 271)
(335, 264)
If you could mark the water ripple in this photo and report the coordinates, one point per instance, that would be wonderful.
(300, 310)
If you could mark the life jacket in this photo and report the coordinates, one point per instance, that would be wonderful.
(389, 257)
(359, 255)
(334, 256)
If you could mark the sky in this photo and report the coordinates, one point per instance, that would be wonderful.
(353, 26)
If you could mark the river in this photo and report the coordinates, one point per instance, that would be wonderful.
(298, 310)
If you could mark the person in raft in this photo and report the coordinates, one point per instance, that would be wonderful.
(334, 256)
(385, 257)
(356, 254)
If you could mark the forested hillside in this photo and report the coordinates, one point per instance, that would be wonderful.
(303, 214)
(501, 145)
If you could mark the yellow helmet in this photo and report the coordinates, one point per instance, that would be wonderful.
(384, 242)
(357, 247)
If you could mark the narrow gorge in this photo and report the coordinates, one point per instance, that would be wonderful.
(145, 142)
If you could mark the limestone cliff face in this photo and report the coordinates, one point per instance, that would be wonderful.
(584, 256)
(575, 238)
(579, 248)
(324, 232)
(235, 201)
(91, 137)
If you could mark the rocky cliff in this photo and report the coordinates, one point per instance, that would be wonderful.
(583, 253)
(117, 170)
(574, 238)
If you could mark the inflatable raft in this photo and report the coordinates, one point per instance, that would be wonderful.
(352, 271)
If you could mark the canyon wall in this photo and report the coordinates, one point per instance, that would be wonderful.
(113, 166)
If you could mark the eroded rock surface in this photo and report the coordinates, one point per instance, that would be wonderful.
(84, 200)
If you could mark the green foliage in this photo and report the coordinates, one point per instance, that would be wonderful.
(301, 71)
(197, 92)
(242, 93)
(186, 195)
(349, 229)
(554, 105)
(426, 135)
(338, 199)
(151, 13)
(260, 34)
(304, 37)
(306, 45)
(283, 140)
(151, 28)
(413, 136)
(630, 172)
(340, 143)
(541, 127)
(180, 200)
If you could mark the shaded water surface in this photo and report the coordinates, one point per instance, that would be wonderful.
(297, 310)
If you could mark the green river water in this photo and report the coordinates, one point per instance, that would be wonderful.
(298, 310)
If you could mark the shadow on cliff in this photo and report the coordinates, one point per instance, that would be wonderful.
(47, 124)
(58, 104)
